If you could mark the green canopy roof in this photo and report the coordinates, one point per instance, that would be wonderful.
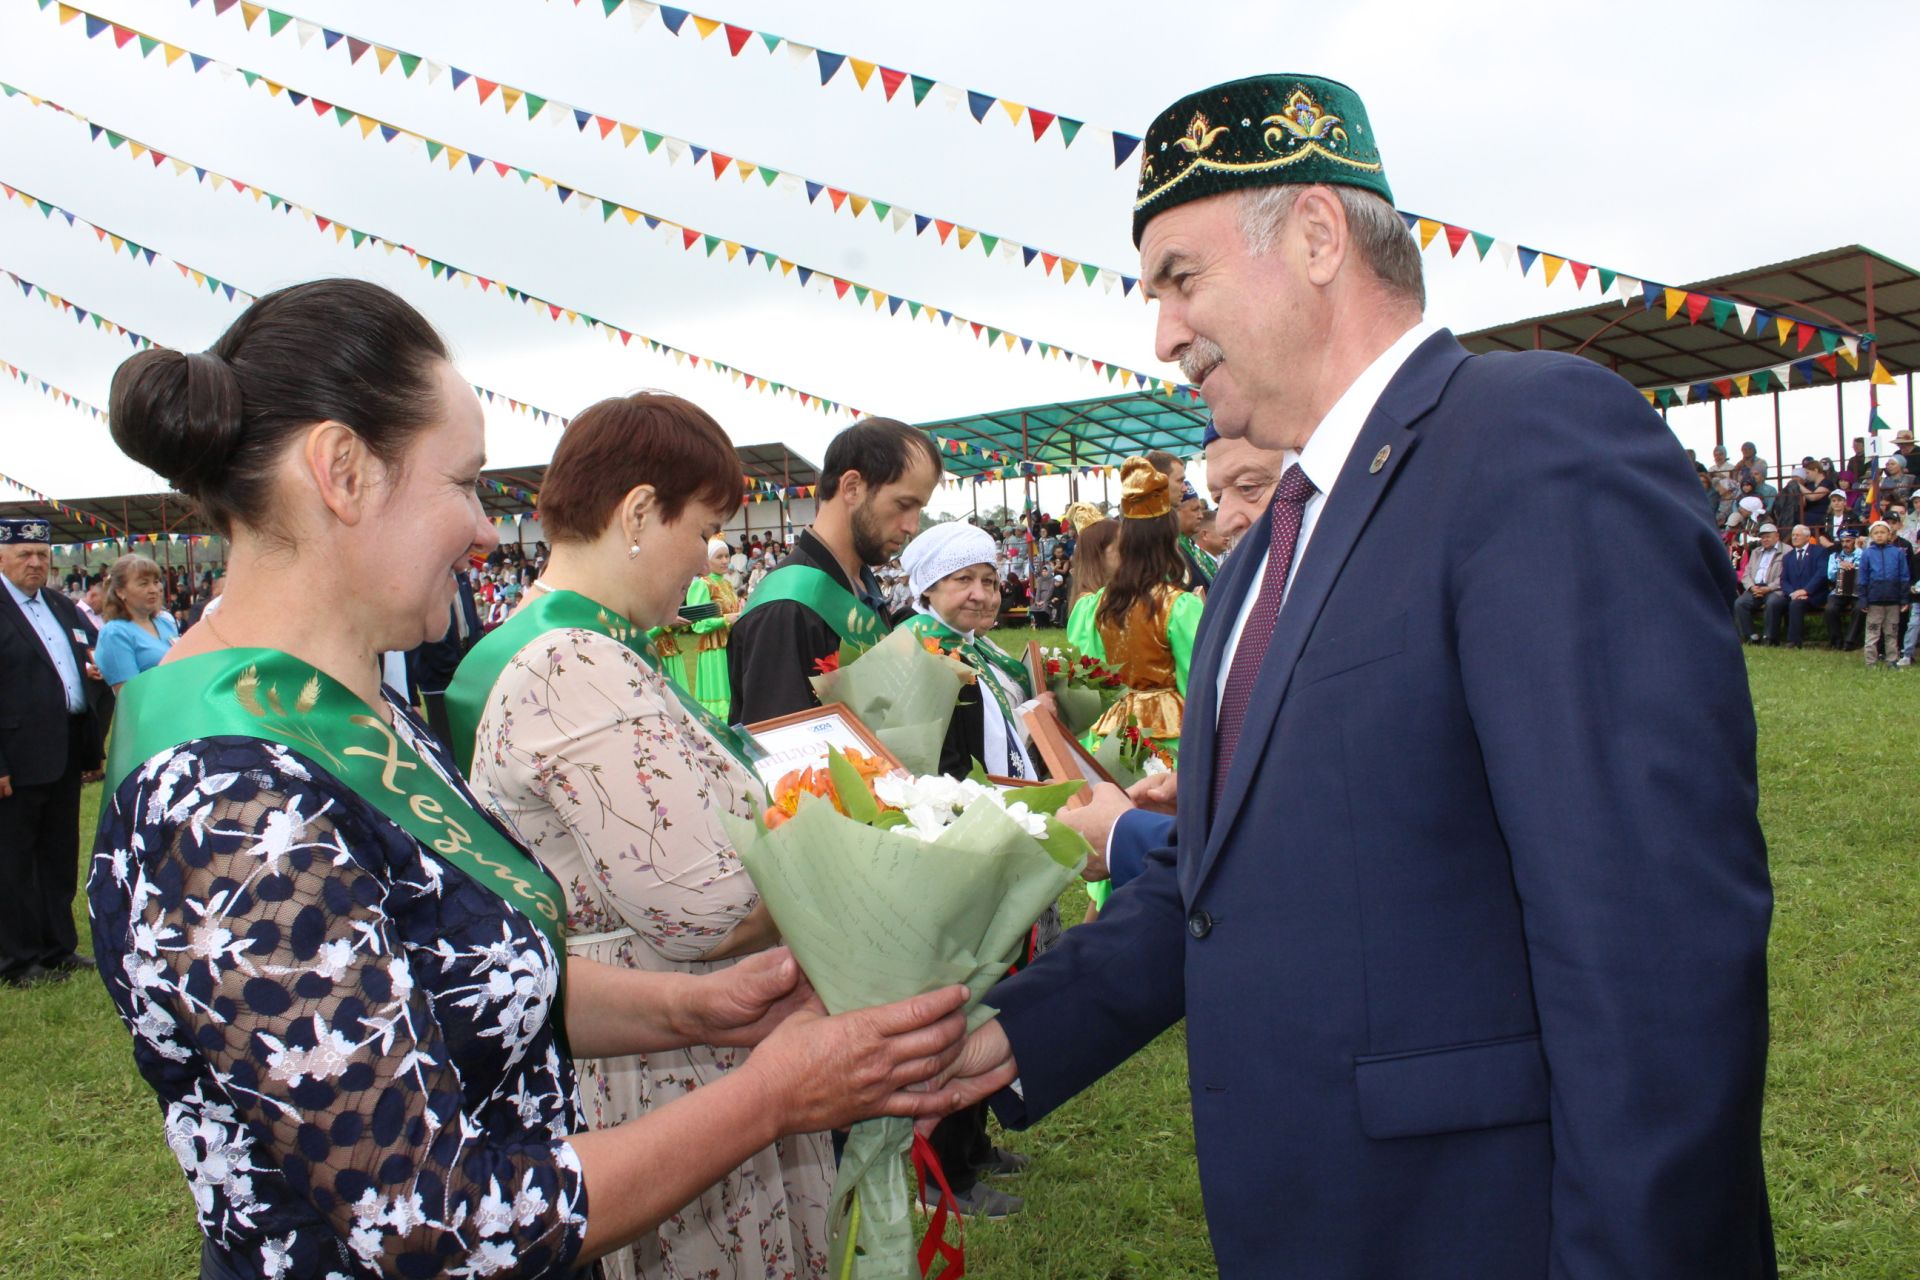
(1073, 433)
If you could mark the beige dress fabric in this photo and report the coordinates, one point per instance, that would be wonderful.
(586, 754)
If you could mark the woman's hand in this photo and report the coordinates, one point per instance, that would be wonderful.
(985, 1066)
(742, 1005)
(1049, 703)
(825, 1073)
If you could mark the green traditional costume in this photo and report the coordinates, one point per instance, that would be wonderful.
(694, 655)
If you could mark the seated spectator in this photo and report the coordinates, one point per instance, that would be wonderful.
(1726, 489)
(1803, 586)
(1835, 518)
(1818, 489)
(1896, 483)
(1885, 576)
(1843, 616)
(1761, 578)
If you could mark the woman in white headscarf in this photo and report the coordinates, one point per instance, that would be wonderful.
(956, 600)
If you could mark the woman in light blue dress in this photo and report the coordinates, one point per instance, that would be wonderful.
(139, 630)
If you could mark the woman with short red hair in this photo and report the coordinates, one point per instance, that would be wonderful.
(616, 778)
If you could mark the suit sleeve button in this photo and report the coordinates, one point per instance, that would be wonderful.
(1199, 924)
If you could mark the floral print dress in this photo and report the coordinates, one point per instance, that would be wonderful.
(587, 755)
(349, 1036)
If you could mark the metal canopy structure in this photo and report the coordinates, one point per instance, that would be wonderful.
(1074, 433)
(1852, 289)
(145, 514)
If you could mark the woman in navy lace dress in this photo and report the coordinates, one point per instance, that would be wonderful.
(340, 977)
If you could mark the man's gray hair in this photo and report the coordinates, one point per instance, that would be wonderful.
(1384, 242)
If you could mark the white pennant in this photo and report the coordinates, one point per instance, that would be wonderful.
(1783, 373)
(305, 30)
(434, 71)
(1744, 314)
(1506, 250)
(1629, 289)
(800, 52)
(675, 149)
(639, 11)
(900, 217)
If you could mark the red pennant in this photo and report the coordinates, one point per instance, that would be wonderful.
(553, 311)
(319, 108)
(892, 80)
(625, 337)
(1725, 387)
(1580, 270)
(502, 168)
(1050, 260)
(356, 50)
(606, 125)
(485, 283)
(1040, 120)
(1696, 307)
(689, 237)
(486, 87)
(1829, 363)
(839, 287)
(720, 162)
(977, 327)
(1456, 236)
(121, 35)
(945, 229)
(1805, 336)
(737, 38)
(321, 222)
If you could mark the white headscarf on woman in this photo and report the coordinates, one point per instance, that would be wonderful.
(931, 556)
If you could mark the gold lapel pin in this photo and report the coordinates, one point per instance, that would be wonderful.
(1379, 460)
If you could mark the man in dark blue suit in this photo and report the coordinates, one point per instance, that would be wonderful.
(1803, 586)
(1466, 902)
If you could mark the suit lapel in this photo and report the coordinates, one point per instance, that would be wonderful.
(24, 625)
(1364, 480)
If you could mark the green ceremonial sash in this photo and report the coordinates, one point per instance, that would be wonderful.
(237, 693)
(557, 611)
(1204, 559)
(980, 651)
(851, 618)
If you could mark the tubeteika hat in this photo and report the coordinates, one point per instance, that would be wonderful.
(14, 531)
(1143, 490)
(1259, 132)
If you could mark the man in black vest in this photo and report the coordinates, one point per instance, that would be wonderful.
(51, 732)
(877, 478)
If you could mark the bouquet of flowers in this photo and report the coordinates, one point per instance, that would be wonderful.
(1132, 754)
(904, 691)
(1083, 687)
(887, 886)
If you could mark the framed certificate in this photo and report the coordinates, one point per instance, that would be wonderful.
(802, 739)
(1036, 668)
(1066, 758)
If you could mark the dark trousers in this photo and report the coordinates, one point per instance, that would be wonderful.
(40, 866)
(1745, 607)
(961, 1144)
(1782, 606)
(1846, 623)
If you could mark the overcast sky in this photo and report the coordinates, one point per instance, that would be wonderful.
(1668, 141)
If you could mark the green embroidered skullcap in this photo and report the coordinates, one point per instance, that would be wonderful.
(1263, 131)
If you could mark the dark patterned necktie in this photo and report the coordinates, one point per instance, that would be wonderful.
(1289, 506)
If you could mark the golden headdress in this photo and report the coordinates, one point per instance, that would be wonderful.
(1144, 493)
(1080, 515)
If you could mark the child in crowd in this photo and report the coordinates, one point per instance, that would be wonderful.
(1884, 579)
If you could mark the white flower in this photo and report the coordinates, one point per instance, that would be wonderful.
(335, 958)
(1035, 824)
(1154, 765)
(276, 1256)
(494, 1217)
(330, 1056)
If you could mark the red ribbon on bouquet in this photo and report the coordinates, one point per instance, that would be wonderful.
(934, 1243)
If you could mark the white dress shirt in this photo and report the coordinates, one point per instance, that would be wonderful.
(1322, 459)
(54, 638)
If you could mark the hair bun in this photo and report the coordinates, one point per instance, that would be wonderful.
(178, 414)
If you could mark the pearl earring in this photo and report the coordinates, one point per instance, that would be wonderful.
(633, 552)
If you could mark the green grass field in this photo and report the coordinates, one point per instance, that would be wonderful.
(88, 1189)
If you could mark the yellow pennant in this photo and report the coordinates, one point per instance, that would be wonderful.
(1428, 230)
(628, 133)
(1881, 378)
(173, 51)
(385, 55)
(967, 235)
(862, 71)
(1553, 265)
(1781, 325)
(1676, 298)
(1013, 109)
(1744, 382)
(707, 25)
(251, 12)
(367, 125)
(509, 98)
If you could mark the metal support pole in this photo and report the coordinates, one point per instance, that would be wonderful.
(1719, 425)
(1779, 450)
(1840, 416)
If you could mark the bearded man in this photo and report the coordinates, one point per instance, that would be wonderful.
(1470, 948)
(878, 476)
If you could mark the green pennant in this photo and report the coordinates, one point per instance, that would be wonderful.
(1829, 340)
(273, 201)
(133, 250)
(46, 210)
(342, 115)
(860, 292)
(921, 87)
(880, 211)
(526, 175)
(114, 140)
(249, 76)
(213, 286)
(1606, 280)
(712, 243)
(1068, 130)
(771, 40)
(147, 45)
(434, 149)
(1722, 311)
(652, 140)
(359, 238)
(607, 208)
(611, 5)
(913, 309)
(1481, 243)
(409, 63)
(769, 176)
(988, 243)
(277, 21)
(534, 103)
(993, 335)
(1088, 270)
